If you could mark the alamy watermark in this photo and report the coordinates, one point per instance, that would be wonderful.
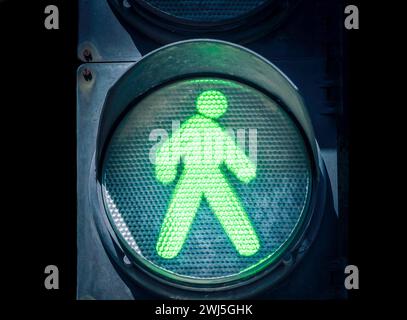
(205, 147)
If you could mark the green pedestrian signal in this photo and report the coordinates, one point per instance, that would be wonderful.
(204, 146)
(207, 171)
(206, 180)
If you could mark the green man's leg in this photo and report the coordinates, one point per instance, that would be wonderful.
(225, 204)
(178, 219)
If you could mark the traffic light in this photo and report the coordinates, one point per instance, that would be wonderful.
(200, 173)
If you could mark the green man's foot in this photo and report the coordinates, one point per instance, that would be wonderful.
(178, 219)
(230, 213)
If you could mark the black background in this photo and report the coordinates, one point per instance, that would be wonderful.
(38, 99)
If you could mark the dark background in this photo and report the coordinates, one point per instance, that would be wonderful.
(38, 98)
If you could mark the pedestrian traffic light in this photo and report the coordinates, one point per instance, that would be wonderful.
(194, 208)
(202, 171)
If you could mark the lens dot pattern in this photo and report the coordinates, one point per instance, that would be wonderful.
(206, 10)
(275, 199)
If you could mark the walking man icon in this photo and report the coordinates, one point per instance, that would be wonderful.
(204, 146)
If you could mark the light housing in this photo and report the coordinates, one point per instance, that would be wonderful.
(194, 66)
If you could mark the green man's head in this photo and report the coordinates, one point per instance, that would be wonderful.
(212, 104)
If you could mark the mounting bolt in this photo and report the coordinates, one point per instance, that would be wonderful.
(87, 74)
(126, 260)
(87, 55)
(288, 259)
(126, 4)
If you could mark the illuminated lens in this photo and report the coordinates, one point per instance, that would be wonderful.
(206, 180)
(205, 10)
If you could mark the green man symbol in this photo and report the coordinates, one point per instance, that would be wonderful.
(205, 148)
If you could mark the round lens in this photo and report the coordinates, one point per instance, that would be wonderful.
(206, 181)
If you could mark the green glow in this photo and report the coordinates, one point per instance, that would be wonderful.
(203, 145)
(212, 104)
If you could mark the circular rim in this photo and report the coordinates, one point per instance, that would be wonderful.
(243, 288)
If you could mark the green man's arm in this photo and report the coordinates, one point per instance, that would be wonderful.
(168, 158)
(237, 161)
